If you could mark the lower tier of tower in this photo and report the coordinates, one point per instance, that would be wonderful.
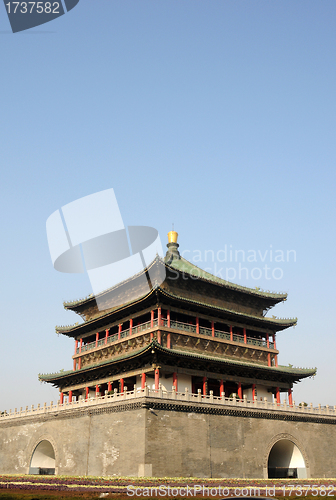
(151, 436)
(183, 383)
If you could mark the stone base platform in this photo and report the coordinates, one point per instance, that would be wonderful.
(168, 435)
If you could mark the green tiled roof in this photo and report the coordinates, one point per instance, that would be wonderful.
(62, 373)
(298, 372)
(185, 266)
(68, 328)
(274, 322)
(286, 322)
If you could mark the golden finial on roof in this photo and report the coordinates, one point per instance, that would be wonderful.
(172, 245)
(172, 237)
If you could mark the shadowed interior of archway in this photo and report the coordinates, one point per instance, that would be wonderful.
(286, 461)
(43, 459)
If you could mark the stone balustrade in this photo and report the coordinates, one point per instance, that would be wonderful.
(173, 395)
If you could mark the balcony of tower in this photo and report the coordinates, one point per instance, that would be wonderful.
(179, 332)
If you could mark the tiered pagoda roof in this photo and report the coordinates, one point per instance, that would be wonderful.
(191, 290)
(230, 301)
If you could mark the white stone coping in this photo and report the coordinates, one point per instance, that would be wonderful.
(161, 394)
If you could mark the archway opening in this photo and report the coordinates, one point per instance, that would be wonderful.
(286, 461)
(43, 459)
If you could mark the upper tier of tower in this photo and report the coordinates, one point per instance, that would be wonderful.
(175, 279)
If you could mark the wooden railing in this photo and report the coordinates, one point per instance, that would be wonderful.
(176, 325)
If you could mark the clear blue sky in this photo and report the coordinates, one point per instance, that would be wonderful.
(218, 116)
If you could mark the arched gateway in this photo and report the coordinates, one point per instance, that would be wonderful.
(285, 460)
(43, 459)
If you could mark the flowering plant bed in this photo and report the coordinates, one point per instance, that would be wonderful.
(38, 487)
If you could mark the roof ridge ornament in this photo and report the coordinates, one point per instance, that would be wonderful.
(172, 245)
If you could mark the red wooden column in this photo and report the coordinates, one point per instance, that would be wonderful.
(276, 356)
(168, 334)
(197, 324)
(97, 390)
(70, 396)
(75, 361)
(109, 387)
(245, 338)
(119, 330)
(80, 350)
(175, 380)
(290, 397)
(122, 386)
(157, 379)
(240, 391)
(253, 392)
(61, 398)
(231, 334)
(221, 387)
(159, 324)
(277, 395)
(106, 335)
(212, 328)
(152, 325)
(269, 362)
(87, 392)
(204, 386)
(143, 380)
(130, 326)
(97, 338)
